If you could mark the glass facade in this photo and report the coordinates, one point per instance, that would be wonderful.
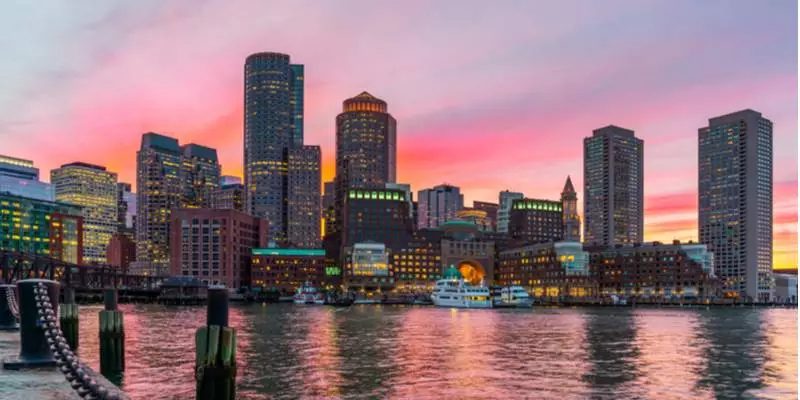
(94, 189)
(303, 190)
(41, 227)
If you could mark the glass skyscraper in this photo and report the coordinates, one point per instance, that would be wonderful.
(613, 187)
(94, 189)
(735, 200)
(272, 124)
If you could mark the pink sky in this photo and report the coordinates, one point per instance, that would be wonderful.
(488, 96)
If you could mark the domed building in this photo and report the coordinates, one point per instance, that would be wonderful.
(465, 249)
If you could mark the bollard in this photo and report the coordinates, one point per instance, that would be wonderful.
(68, 319)
(112, 337)
(8, 308)
(34, 349)
(215, 367)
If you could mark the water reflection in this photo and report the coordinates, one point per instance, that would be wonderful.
(366, 352)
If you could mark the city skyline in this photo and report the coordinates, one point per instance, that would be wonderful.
(483, 137)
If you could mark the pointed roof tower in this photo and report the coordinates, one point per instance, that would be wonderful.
(568, 188)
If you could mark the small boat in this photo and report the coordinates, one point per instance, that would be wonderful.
(308, 294)
(337, 300)
(511, 297)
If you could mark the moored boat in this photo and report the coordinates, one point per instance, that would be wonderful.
(308, 294)
(511, 297)
(454, 292)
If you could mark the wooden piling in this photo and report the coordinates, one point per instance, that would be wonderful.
(215, 356)
(68, 319)
(112, 337)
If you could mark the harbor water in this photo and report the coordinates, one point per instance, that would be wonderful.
(289, 351)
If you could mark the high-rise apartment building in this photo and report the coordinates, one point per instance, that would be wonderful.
(94, 189)
(504, 209)
(366, 148)
(271, 104)
(536, 221)
(201, 175)
(297, 101)
(569, 204)
(438, 205)
(159, 183)
(735, 200)
(303, 190)
(613, 187)
(19, 177)
(215, 246)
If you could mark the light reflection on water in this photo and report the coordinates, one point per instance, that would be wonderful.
(288, 351)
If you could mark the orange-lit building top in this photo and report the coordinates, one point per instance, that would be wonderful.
(364, 102)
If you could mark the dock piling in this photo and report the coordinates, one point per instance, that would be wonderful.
(34, 349)
(68, 318)
(8, 308)
(215, 344)
(112, 336)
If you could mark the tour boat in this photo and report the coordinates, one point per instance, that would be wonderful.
(308, 294)
(453, 291)
(511, 297)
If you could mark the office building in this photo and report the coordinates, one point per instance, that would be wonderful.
(19, 177)
(297, 102)
(41, 227)
(200, 174)
(272, 100)
(613, 187)
(569, 205)
(368, 267)
(735, 200)
(547, 269)
(469, 250)
(215, 246)
(328, 212)
(418, 264)
(229, 180)
(229, 197)
(478, 217)
(504, 209)
(366, 148)
(160, 189)
(491, 212)
(287, 269)
(121, 251)
(785, 289)
(654, 270)
(438, 205)
(409, 196)
(379, 216)
(303, 191)
(536, 221)
(126, 207)
(94, 189)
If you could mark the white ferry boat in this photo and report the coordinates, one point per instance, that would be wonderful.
(511, 297)
(308, 294)
(454, 292)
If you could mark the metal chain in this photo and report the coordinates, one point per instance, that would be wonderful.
(12, 302)
(77, 373)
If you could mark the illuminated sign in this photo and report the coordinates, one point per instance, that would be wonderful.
(333, 271)
(538, 205)
(376, 195)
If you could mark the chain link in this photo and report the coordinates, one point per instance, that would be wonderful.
(77, 373)
(12, 302)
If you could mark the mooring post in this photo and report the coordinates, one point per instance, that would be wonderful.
(68, 318)
(34, 349)
(215, 343)
(9, 311)
(112, 336)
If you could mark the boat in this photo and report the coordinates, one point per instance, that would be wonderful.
(511, 297)
(454, 292)
(338, 300)
(308, 294)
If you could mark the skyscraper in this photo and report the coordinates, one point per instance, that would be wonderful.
(536, 221)
(273, 124)
(20, 178)
(303, 192)
(438, 205)
(94, 189)
(126, 207)
(572, 221)
(160, 189)
(504, 209)
(201, 175)
(735, 200)
(366, 148)
(613, 187)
